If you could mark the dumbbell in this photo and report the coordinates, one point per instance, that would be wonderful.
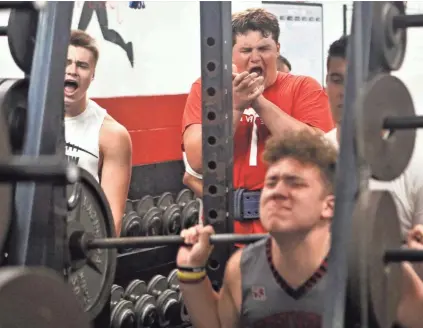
(183, 197)
(190, 214)
(146, 314)
(122, 315)
(151, 216)
(171, 214)
(167, 300)
(173, 284)
(131, 225)
(128, 206)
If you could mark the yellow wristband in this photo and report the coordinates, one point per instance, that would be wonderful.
(191, 276)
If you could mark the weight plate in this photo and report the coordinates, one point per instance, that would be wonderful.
(172, 220)
(183, 197)
(143, 205)
(157, 284)
(172, 280)
(21, 34)
(6, 189)
(92, 278)
(116, 295)
(152, 222)
(128, 206)
(131, 225)
(13, 105)
(123, 315)
(146, 312)
(38, 297)
(388, 43)
(165, 200)
(190, 214)
(384, 96)
(184, 312)
(169, 307)
(375, 228)
(135, 289)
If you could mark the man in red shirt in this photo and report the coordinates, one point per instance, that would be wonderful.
(265, 102)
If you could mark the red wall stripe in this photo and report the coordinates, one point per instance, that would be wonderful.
(154, 123)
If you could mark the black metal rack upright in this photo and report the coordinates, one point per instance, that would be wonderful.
(217, 145)
(348, 174)
(38, 230)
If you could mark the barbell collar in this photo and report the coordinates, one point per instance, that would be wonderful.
(403, 122)
(403, 255)
(151, 241)
(46, 169)
(406, 21)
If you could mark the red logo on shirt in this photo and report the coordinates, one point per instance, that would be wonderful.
(259, 293)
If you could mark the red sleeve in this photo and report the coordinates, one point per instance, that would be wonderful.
(192, 110)
(311, 105)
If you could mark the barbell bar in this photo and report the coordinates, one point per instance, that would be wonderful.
(405, 21)
(403, 255)
(87, 242)
(403, 122)
(41, 169)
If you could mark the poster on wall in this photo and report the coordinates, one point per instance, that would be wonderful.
(301, 37)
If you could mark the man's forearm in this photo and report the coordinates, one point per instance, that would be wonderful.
(275, 119)
(201, 302)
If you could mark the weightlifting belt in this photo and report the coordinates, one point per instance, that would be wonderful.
(246, 205)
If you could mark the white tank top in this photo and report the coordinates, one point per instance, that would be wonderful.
(82, 134)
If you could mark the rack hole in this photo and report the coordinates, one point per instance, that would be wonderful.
(211, 91)
(210, 41)
(211, 140)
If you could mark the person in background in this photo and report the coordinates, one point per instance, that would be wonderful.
(94, 140)
(284, 65)
(265, 102)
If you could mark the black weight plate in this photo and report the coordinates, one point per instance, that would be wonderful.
(21, 33)
(135, 288)
(184, 312)
(157, 285)
(375, 228)
(131, 225)
(384, 96)
(183, 197)
(388, 42)
(143, 205)
(6, 189)
(169, 307)
(122, 315)
(146, 312)
(92, 278)
(190, 214)
(13, 105)
(128, 206)
(38, 297)
(172, 220)
(165, 200)
(116, 295)
(172, 280)
(152, 222)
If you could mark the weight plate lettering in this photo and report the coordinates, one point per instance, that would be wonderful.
(375, 228)
(92, 278)
(21, 34)
(6, 189)
(38, 297)
(385, 96)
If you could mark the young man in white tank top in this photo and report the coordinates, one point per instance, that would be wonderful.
(94, 140)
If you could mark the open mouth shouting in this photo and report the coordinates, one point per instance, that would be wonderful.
(70, 87)
(257, 69)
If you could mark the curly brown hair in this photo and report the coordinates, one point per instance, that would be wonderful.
(79, 38)
(305, 147)
(255, 19)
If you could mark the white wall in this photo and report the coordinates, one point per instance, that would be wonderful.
(166, 40)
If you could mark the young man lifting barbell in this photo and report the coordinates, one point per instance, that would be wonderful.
(280, 281)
